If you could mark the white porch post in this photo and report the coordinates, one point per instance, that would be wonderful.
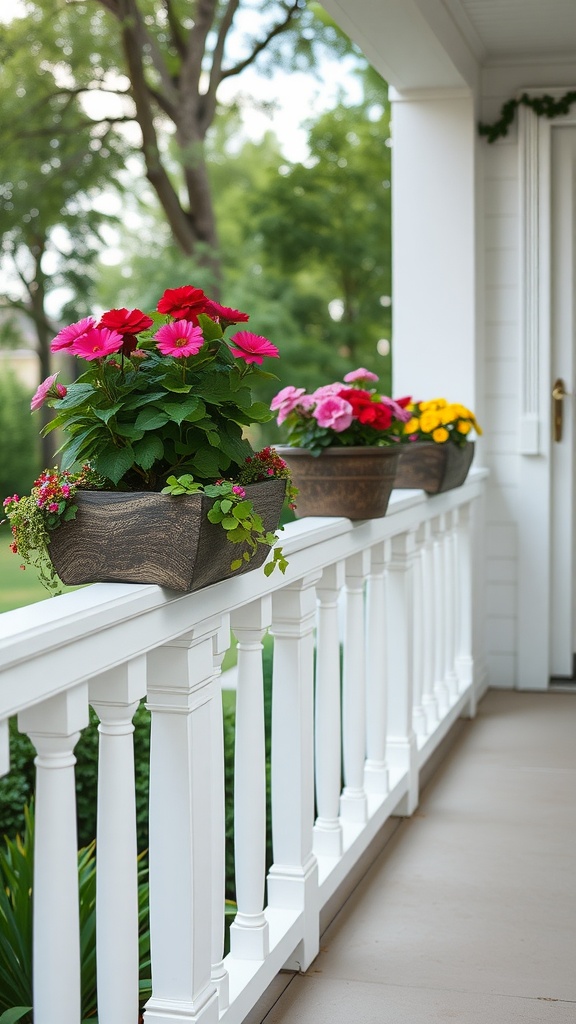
(433, 228)
(4, 747)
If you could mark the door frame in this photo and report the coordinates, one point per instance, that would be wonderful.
(535, 519)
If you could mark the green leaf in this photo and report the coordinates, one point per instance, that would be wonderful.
(236, 564)
(14, 1014)
(242, 509)
(73, 449)
(214, 515)
(128, 430)
(151, 419)
(190, 408)
(229, 523)
(210, 330)
(106, 414)
(76, 395)
(114, 465)
(226, 504)
(148, 451)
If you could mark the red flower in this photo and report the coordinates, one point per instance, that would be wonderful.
(225, 315)
(366, 410)
(128, 323)
(184, 303)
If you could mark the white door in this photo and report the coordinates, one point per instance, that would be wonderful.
(563, 378)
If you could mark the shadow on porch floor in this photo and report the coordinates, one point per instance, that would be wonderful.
(469, 914)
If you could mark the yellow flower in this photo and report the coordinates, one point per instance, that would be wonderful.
(429, 421)
(440, 435)
(448, 415)
(428, 406)
(463, 427)
(439, 403)
(412, 426)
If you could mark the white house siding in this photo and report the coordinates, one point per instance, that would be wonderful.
(501, 361)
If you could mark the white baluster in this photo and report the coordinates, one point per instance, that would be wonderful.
(54, 728)
(293, 877)
(328, 739)
(376, 769)
(429, 701)
(353, 803)
(450, 609)
(402, 749)
(4, 747)
(249, 939)
(440, 689)
(419, 720)
(464, 658)
(181, 690)
(115, 696)
(220, 643)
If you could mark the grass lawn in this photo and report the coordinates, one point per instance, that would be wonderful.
(18, 587)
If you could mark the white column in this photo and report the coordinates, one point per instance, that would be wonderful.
(450, 609)
(441, 691)
(4, 747)
(434, 230)
(220, 644)
(464, 656)
(376, 769)
(293, 877)
(328, 725)
(181, 689)
(249, 939)
(429, 701)
(419, 719)
(54, 729)
(115, 696)
(402, 749)
(353, 803)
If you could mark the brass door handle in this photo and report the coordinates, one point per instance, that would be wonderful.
(558, 393)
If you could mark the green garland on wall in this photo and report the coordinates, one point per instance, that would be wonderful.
(543, 106)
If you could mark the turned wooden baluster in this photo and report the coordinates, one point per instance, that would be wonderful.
(115, 697)
(353, 803)
(429, 700)
(249, 938)
(54, 728)
(328, 737)
(376, 769)
(220, 644)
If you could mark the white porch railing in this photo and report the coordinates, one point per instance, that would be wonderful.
(352, 747)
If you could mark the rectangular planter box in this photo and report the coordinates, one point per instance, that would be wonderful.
(433, 467)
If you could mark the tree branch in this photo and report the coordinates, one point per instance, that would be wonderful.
(292, 12)
(176, 32)
(209, 98)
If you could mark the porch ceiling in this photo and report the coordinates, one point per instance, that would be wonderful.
(423, 44)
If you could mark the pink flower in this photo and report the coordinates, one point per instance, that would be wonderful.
(8, 501)
(333, 412)
(47, 389)
(285, 401)
(326, 391)
(68, 335)
(239, 491)
(360, 375)
(224, 314)
(179, 339)
(96, 343)
(401, 414)
(252, 347)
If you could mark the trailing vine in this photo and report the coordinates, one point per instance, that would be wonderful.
(543, 106)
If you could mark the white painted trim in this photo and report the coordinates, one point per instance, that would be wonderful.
(417, 95)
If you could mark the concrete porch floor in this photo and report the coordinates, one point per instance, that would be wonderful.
(469, 914)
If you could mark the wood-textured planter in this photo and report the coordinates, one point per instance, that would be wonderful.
(433, 467)
(354, 482)
(146, 537)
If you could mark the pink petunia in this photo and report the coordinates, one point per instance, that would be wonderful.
(334, 412)
(179, 339)
(286, 400)
(399, 412)
(47, 389)
(326, 391)
(252, 347)
(97, 343)
(68, 335)
(360, 375)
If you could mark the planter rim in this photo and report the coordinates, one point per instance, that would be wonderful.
(339, 450)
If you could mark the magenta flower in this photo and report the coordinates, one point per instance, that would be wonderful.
(285, 401)
(252, 347)
(360, 375)
(334, 412)
(239, 491)
(96, 343)
(68, 335)
(47, 389)
(225, 314)
(182, 338)
(399, 412)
